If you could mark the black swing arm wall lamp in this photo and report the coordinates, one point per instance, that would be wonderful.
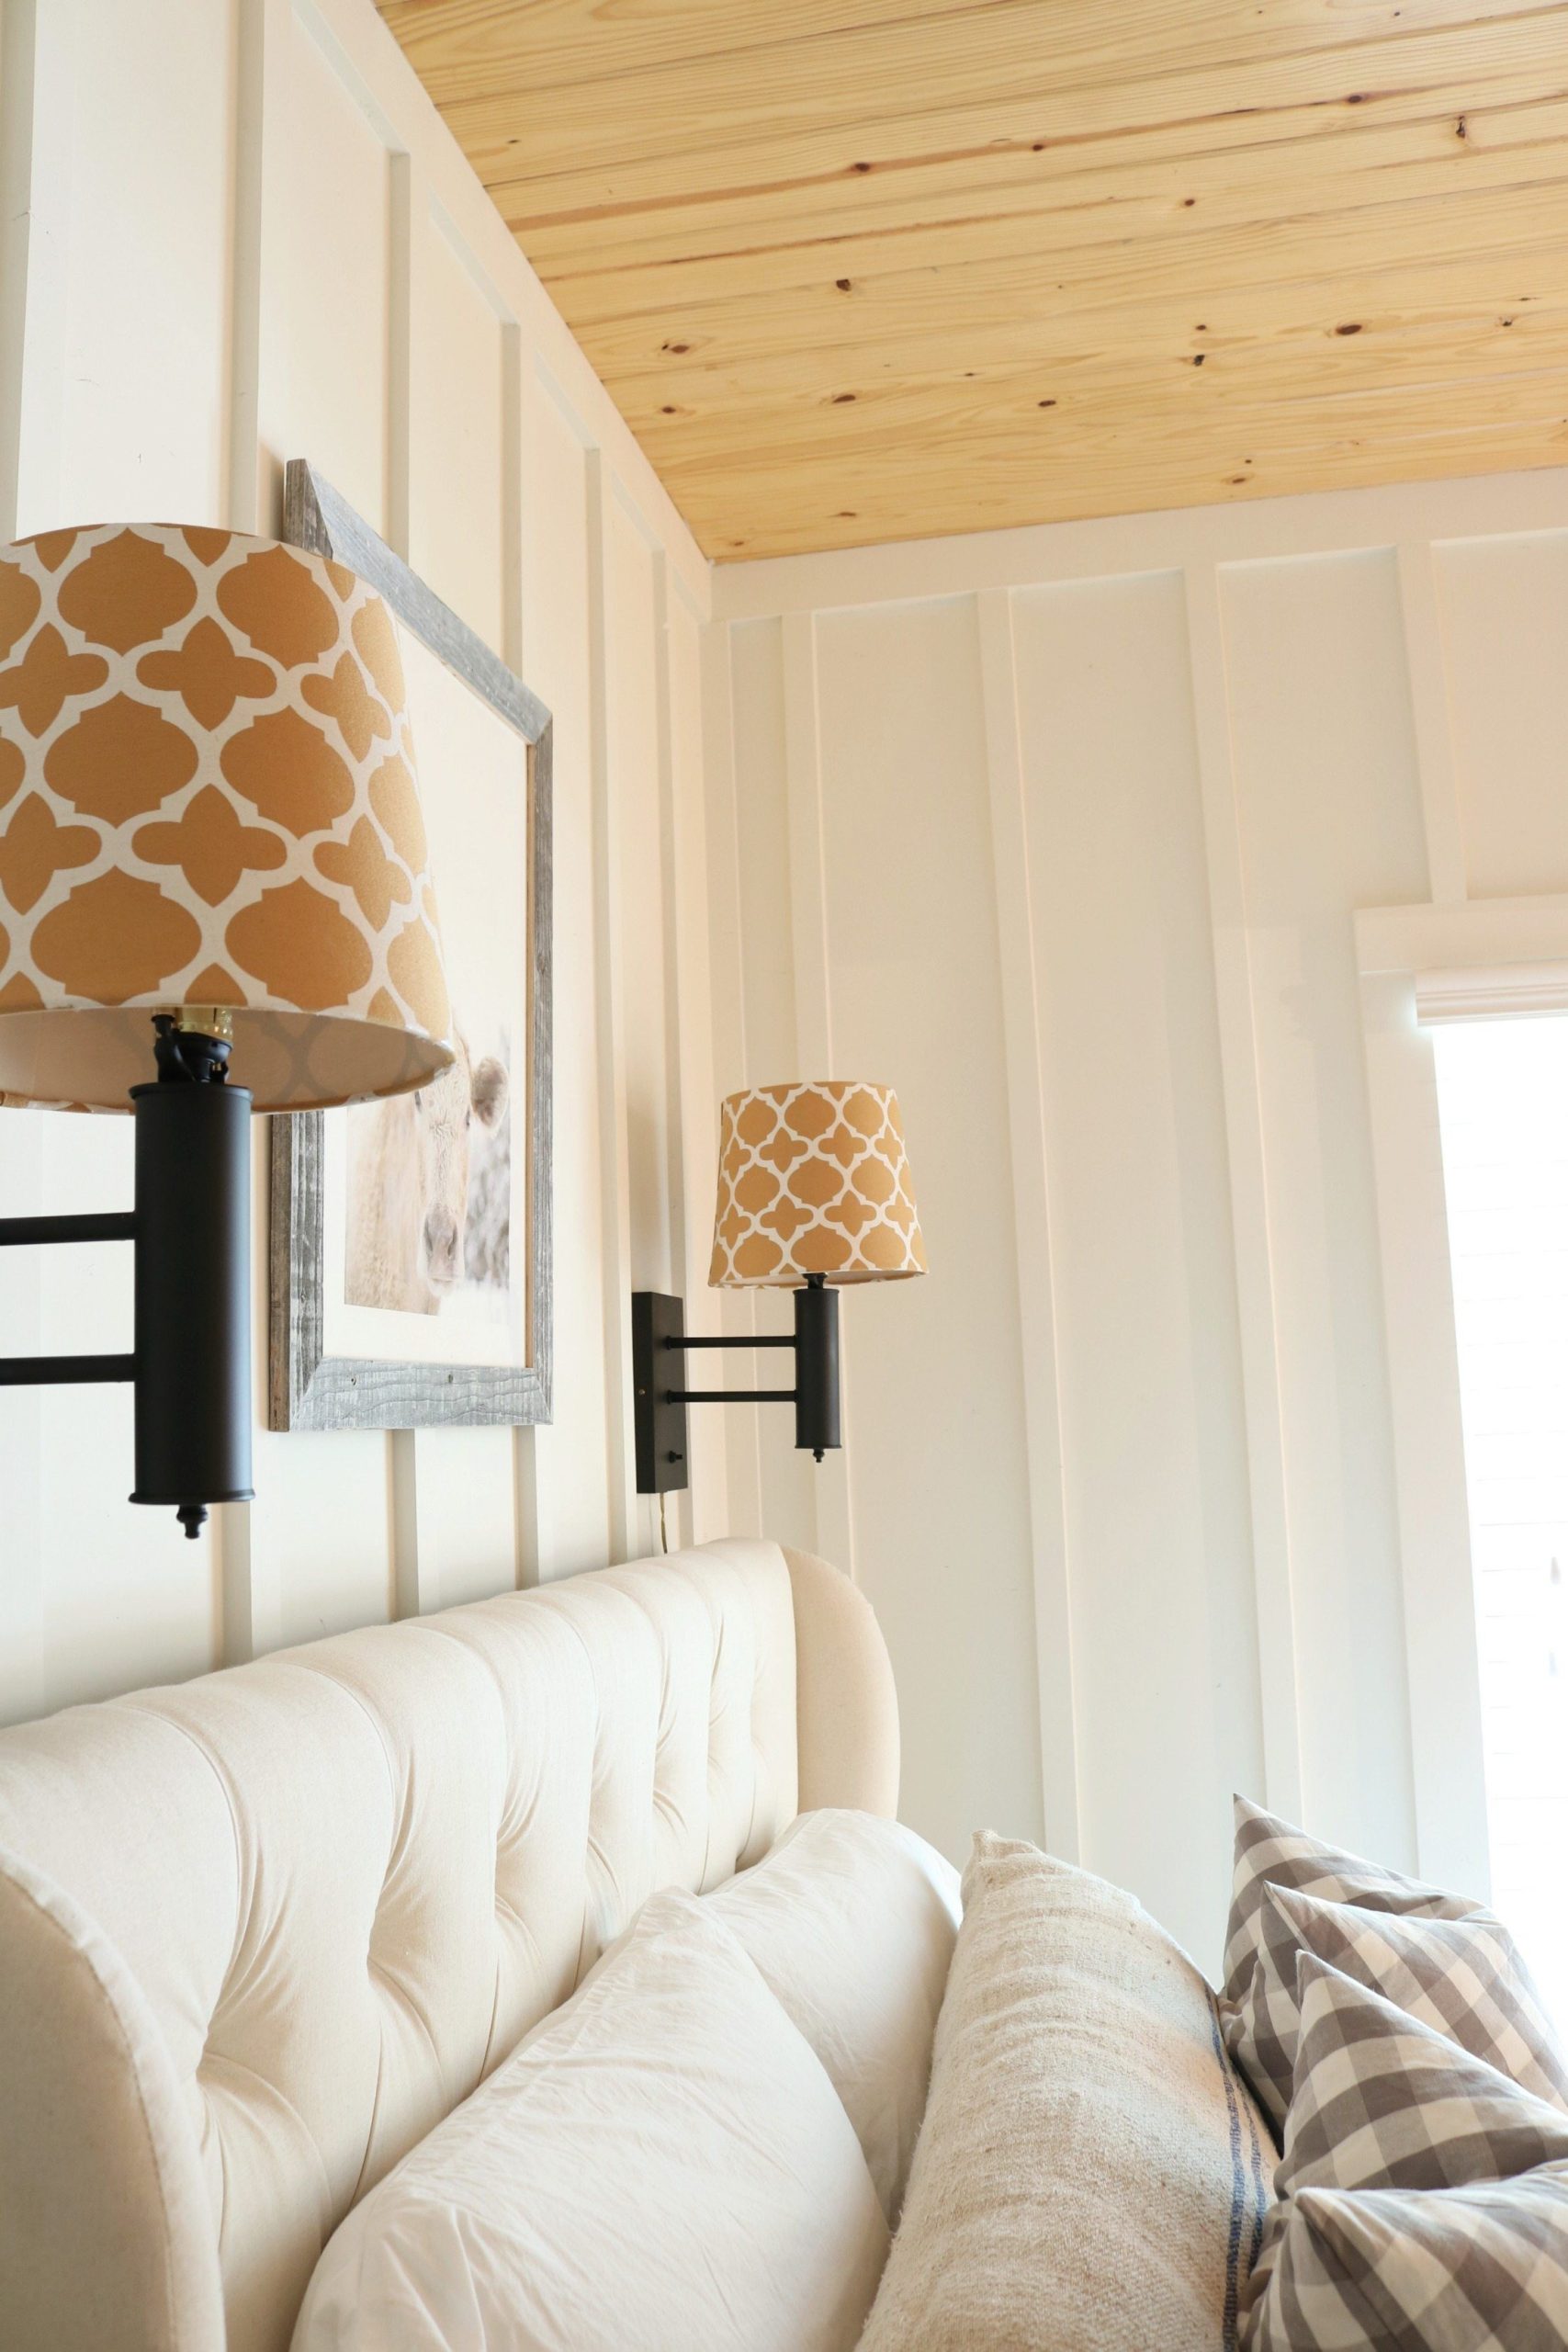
(209, 844)
(660, 1345)
(814, 1190)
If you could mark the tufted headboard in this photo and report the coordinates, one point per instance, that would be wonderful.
(259, 1932)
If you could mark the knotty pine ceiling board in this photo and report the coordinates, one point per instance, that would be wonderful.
(878, 269)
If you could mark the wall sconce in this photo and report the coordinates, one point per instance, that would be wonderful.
(814, 1190)
(210, 845)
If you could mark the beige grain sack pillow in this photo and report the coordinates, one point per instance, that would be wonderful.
(1091, 2175)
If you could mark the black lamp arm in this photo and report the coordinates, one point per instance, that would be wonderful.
(110, 1225)
(762, 1339)
(59, 1372)
(731, 1396)
(56, 1372)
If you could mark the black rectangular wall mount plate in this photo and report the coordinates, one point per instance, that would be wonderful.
(658, 1370)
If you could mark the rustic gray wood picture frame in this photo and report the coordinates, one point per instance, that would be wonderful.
(307, 1389)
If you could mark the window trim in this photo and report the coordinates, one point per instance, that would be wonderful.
(1484, 959)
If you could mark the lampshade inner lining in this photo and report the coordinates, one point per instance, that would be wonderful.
(89, 1058)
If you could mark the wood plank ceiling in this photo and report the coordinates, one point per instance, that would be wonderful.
(875, 270)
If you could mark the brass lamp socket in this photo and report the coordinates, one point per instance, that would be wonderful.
(205, 1020)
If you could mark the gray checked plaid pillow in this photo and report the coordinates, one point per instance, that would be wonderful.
(1423, 2196)
(1482, 2269)
(1464, 1977)
(1269, 1852)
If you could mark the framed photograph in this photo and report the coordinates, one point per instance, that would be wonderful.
(410, 1266)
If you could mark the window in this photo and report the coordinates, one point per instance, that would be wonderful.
(1503, 1097)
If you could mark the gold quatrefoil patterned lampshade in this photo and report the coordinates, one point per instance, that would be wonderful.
(208, 803)
(814, 1180)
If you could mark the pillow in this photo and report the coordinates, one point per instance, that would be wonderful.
(1390, 2229)
(660, 2164)
(1465, 1977)
(1269, 1852)
(1482, 2269)
(1091, 2172)
(851, 1921)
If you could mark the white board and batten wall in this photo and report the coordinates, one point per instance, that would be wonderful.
(236, 232)
(1062, 831)
(1066, 833)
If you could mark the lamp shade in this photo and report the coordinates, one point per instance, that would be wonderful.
(814, 1180)
(208, 805)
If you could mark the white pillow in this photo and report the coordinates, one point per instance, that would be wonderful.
(661, 2166)
(850, 1920)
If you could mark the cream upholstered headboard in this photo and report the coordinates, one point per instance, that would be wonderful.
(259, 1932)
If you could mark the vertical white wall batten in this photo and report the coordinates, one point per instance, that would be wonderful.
(571, 1454)
(831, 1489)
(808, 877)
(686, 868)
(18, 228)
(615, 1212)
(408, 225)
(758, 810)
(24, 274)
(37, 57)
(1235, 999)
(249, 1601)
(1032, 1223)
(263, 32)
(24, 1684)
(409, 1597)
(739, 1431)
(1433, 721)
(680, 1526)
(516, 381)
(530, 1509)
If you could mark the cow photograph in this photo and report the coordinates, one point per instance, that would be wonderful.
(426, 1195)
(429, 1190)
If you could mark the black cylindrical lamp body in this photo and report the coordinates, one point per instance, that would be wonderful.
(816, 1368)
(193, 1306)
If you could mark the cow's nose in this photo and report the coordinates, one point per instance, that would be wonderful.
(441, 1242)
